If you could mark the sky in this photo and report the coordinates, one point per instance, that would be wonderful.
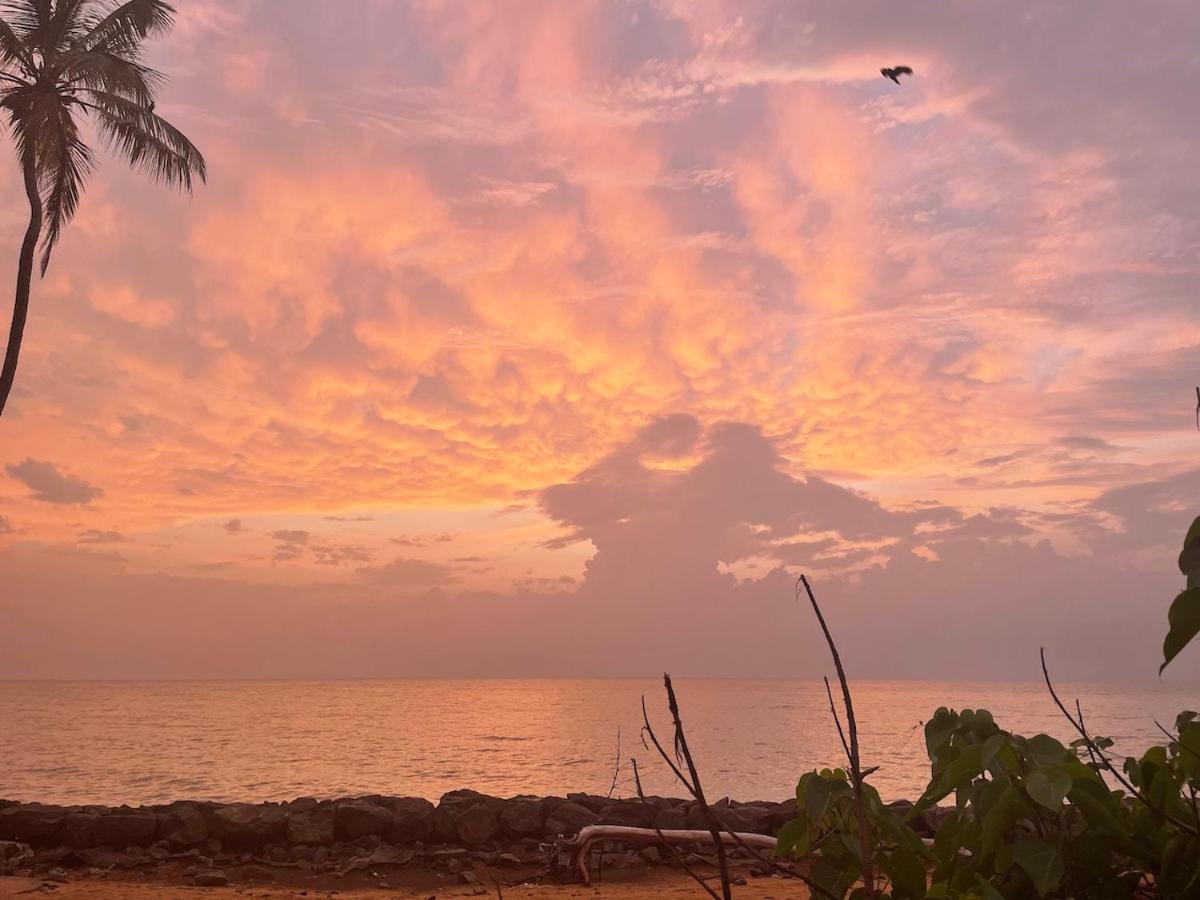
(528, 338)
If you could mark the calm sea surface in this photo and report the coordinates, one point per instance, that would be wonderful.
(146, 742)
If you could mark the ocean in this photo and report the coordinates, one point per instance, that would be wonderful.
(151, 742)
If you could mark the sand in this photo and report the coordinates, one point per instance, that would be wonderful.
(632, 886)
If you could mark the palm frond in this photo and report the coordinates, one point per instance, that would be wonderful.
(147, 140)
(64, 164)
(123, 28)
(103, 70)
(13, 49)
(63, 22)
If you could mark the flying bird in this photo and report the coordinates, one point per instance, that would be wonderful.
(895, 72)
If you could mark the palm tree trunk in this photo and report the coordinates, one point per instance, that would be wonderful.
(24, 278)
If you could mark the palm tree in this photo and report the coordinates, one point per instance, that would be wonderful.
(62, 61)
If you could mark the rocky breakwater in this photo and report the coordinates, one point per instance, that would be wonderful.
(215, 843)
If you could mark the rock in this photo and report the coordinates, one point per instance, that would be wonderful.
(477, 824)
(79, 829)
(320, 856)
(511, 860)
(31, 823)
(523, 817)
(303, 804)
(445, 816)
(312, 826)
(210, 878)
(412, 820)
(357, 818)
(590, 801)
(467, 877)
(13, 850)
(106, 859)
(249, 825)
(569, 818)
(255, 873)
(125, 828)
(671, 819)
(183, 825)
(752, 819)
(626, 812)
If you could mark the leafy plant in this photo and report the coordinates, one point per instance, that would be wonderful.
(1013, 817)
(1183, 619)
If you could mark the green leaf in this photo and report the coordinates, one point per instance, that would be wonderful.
(1048, 788)
(989, 892)
(1040, 862)
(792, 838)
(1045, 750)
(1184, 624)
(820, 795)
(907, 873)
(1189, 754)
(999, 819)
(1189, 562)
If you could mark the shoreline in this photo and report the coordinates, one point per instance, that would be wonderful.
(466, 841)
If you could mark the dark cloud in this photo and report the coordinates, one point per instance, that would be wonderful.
(51, 485)
(349, 518)
(233, 526)
(290, 544)
(331, 554)
(6, 525)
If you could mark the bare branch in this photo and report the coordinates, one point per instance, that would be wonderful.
(856, 774)
(637, 781)
(1093, 747)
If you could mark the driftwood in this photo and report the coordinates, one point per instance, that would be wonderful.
(580, 845)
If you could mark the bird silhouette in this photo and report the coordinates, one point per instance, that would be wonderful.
(895, 72)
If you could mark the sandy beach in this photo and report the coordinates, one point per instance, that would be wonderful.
(641, 885)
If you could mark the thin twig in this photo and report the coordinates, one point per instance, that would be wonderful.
(1105, 761)
(616, 766)
(856, 775)
(836, 719)
(1177, 739)
(681, 746)
(637, 781)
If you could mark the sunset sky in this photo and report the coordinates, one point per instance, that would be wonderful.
(524, 338)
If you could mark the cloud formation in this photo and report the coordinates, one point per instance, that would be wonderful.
(50, 485)
(637, 304)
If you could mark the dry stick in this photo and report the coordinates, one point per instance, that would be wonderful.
(836, 719)
(670, 847)
(616, 766)
(697, 789)
(737, 838)
(1106, 762)
(856, 775)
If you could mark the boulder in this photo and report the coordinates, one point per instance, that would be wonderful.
(477, 824)
(523, 817)
(671, 819)
(751, 819)
(628, 812)
(183, 825)
(125, 828)
(357, 818)
(210, 878)
(591, 801)
(568, 818)
(412, 820)
(249, 825)
(311, 826)
(31, 823)
(79, 830)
